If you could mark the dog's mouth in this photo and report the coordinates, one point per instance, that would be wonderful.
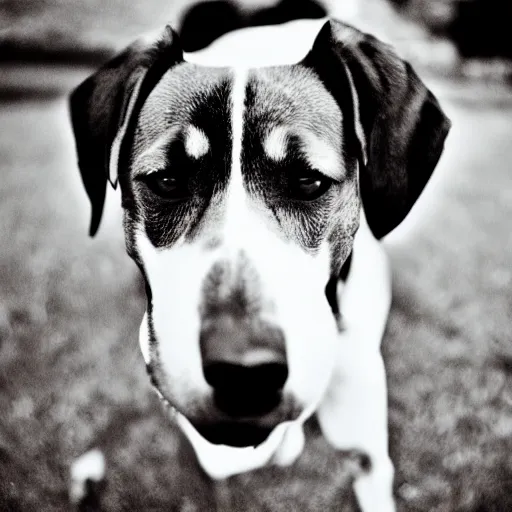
(236, 434)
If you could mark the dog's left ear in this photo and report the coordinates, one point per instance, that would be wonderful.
(103, 106)
(397, 122)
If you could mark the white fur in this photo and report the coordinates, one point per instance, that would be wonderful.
(319, 153)
(220, 461)
(175, 277)
(144, 339)
(236, 192)
(260, 46)
(322, 156)
(353, 414)
(310, 344)
(282, 447)
(357, 117)
(196, 142)
(275, 143)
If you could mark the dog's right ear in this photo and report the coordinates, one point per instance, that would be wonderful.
(103, 106)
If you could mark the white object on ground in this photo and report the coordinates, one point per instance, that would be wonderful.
(89, 466)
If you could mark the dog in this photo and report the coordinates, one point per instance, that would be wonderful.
(257, 177)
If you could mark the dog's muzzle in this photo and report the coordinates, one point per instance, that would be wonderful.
(244, 362)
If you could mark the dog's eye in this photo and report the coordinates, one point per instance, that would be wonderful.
(311, 186)
(166, 186)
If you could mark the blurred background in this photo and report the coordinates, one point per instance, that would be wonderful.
(71, 376)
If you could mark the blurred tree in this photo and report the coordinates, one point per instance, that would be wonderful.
(479, 28)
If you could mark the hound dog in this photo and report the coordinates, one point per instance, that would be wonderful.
(256, 178)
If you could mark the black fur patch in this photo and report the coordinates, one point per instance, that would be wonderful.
(269, 104)
(187, 96)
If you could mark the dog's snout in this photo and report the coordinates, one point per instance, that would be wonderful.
(229, 338)
(222, 376)
(246, 391)
(245, 364)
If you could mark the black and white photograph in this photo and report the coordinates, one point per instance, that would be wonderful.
(256, 255)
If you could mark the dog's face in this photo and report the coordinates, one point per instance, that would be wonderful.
(242, 192)
(240, 206)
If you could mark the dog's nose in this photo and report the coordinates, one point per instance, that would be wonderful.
(245, 363)
(246, 391)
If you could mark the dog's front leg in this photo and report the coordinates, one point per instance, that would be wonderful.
(353, 416)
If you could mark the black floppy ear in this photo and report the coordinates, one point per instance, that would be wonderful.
(397, 121)
(103, 105)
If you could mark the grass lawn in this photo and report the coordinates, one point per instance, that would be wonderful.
(71, 376)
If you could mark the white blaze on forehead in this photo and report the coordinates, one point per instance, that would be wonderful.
(237, 123)
(196, 142)
(275, 143)
(236, 201)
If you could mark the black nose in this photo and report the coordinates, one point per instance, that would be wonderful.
(244, 360)
(246, 391)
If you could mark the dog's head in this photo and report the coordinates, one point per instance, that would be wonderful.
(242, 192)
